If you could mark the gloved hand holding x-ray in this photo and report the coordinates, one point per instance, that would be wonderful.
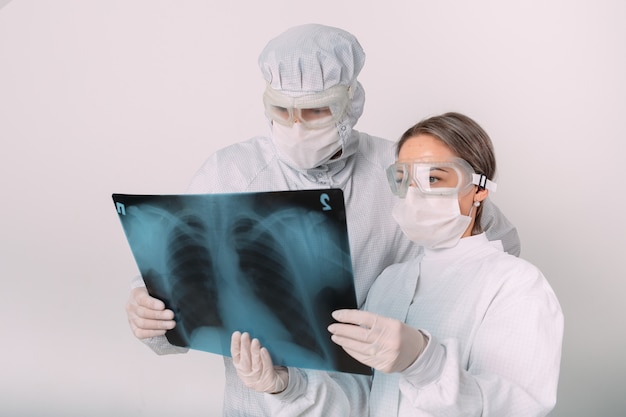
(254, 365)
(387, 345)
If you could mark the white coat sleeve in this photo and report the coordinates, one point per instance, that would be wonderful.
(513, 364)
(319, 394)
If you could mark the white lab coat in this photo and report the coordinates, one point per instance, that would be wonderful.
(495, 328)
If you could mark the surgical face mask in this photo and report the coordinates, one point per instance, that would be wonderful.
(306, 148)
(431, 221)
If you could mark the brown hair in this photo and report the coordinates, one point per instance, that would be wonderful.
(465, 138)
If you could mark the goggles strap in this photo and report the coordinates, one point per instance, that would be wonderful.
(483, 182)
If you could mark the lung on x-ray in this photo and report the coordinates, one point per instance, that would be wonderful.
(273, 264)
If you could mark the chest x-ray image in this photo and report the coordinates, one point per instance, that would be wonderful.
(273, 264)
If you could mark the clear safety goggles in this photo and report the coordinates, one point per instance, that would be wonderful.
(436, 177)
(314, 111)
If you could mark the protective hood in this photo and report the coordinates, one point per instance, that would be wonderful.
(311, 58)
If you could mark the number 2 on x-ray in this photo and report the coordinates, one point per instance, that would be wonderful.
(324, 199)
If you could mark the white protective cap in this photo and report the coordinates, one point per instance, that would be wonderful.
(312, 58)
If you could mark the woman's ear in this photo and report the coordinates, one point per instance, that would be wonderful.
(481, 194)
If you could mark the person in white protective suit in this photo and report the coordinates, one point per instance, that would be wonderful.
(463, 329)
(312, 101)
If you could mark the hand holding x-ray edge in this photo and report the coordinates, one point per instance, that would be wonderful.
(387, 345)
(148, 316)
(254, 365)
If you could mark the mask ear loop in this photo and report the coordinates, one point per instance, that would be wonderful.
(475, 205)
(483, 183)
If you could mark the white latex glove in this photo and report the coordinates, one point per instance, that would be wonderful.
(385, 344)
(254, 365)
(147, 316)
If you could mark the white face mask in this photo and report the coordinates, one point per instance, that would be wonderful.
(306, 148)
(431, 221)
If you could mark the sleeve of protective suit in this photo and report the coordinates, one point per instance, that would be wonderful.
(498, 227)
(320, 394)
(161, 346)
(513, 370)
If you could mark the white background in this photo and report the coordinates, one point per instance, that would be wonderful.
(131, 96)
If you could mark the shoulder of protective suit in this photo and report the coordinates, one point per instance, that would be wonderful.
(376, 151)
(510, 269)
(232, 168)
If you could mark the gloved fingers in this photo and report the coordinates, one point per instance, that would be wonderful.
(147, 316)
(265, 368)
(349, 331)
(241, 350)
(256, 364)
(358, 317)
(266, 359)
(235, 347)
(369, 327)
(140, 297)
(374, 331)
(276, 376)
(247, 356)
(356, 338)
(355, 341)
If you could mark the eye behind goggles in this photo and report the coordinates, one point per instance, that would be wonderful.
(314, 111)
(454, 176)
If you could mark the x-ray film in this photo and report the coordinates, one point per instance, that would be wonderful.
(273, 264)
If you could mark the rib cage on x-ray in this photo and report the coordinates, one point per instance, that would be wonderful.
(192, 277)
(272, 264)
(263, 263)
